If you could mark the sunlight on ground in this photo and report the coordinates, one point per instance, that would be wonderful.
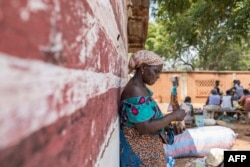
(241, 144)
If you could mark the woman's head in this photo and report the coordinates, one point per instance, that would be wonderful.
(147, 64)
(144, 57)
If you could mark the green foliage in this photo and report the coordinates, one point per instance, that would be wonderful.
(157, 41)
(217, 30)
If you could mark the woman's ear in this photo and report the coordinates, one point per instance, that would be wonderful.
(142, 68)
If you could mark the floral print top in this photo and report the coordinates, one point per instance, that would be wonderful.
(139, 109)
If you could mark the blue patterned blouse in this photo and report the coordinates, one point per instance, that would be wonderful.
(139, 109)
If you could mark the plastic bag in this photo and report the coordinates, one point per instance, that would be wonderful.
(199, 120)
(170, 161)
(167, 135)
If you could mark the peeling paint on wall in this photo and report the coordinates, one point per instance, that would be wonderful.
(37, 82)
(63, 65)
(32, 6)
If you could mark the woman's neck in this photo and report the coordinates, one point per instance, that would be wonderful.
(137, 79)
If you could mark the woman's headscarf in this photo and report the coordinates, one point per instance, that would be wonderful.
(143, 56)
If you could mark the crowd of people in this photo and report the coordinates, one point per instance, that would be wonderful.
(235, 100)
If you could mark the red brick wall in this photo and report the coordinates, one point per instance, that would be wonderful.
(62, 67)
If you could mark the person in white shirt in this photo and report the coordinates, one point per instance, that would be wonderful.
(227, 102)
(188, 107)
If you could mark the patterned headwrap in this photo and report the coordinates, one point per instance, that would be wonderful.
(143, 56)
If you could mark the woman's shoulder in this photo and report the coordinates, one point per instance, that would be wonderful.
(131, 91)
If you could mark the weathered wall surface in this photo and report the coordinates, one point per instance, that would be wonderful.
(138, 15)
(62, 63)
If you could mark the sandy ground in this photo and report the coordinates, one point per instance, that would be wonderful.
(242, 140)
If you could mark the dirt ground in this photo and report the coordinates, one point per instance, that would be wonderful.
(242, 143)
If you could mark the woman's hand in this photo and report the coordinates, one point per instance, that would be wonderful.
(179, 114)
(154, 125)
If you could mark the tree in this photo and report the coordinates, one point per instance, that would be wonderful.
(216, 30)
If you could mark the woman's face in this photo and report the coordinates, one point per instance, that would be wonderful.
(151, 73)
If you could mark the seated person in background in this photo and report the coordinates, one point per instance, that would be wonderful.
(188, 107)
(232, 90)
(245, 100)
(213, 103)
(227, 102)
(238, 90)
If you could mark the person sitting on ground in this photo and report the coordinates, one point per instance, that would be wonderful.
(142, 124)
(213, 103)
(188, 107)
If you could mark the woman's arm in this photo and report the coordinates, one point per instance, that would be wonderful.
(154, 125)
